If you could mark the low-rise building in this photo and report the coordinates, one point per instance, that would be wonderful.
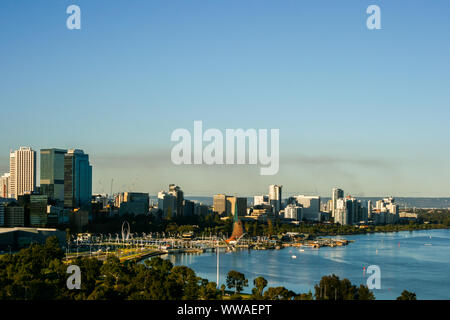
(20, 237)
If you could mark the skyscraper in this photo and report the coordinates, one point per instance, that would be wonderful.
(220, 204)
(275, 197)
(336, 194)
(167, 204)
(341, 214)
(349, 211)
(52, 173)
(311, 207)
(77, 179)
(369, 209)
(22, 168)
(179, 195)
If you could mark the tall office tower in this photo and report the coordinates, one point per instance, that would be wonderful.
(4, 185)
(349, 211)
(369, 209)
(77, 179)
(275, 197)
(22, 168)
(167, 203)
(179, 195)
(220, 204)
(335, 195)
(189, 208)
(311, 207)
(353, 210)
(52, 173)
(341, 212)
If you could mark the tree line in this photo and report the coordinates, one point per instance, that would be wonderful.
(39, 273)
(212, 224)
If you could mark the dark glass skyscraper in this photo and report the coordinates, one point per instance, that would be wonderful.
(77, 179)
(52, 173)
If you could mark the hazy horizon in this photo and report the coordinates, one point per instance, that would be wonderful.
(364, 110)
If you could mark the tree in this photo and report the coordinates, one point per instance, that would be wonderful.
(222, 290)
(236, 280)
(406, 295)
(187, 281)
(364, 293)
(332, 288)
(278, 293)
(304, 296)
(269, 227)
(257, 292)
(208, 290)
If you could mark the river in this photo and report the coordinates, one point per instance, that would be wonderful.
(417, 261)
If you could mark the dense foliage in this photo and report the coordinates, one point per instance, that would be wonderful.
(39, 273)
(435, 216)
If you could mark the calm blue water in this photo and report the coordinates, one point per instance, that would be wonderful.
(404, 260)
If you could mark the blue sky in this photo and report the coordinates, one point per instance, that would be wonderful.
(364, 110)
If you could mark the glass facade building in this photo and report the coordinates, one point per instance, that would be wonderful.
(77, 180)
(52, 173)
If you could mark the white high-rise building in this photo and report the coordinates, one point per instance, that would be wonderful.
(341, 213)
(293, 212)
(335, 195)
(386, 211)
(22, 168)
(4, 185)
(275, 197)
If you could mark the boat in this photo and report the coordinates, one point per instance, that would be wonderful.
(294, 257)
(427, 244)
(302, 250)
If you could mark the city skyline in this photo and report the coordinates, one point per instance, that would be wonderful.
(363, 110)
(132, 188)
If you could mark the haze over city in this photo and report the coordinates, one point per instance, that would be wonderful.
(365, 111)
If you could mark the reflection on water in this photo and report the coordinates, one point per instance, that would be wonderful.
(405, 262)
